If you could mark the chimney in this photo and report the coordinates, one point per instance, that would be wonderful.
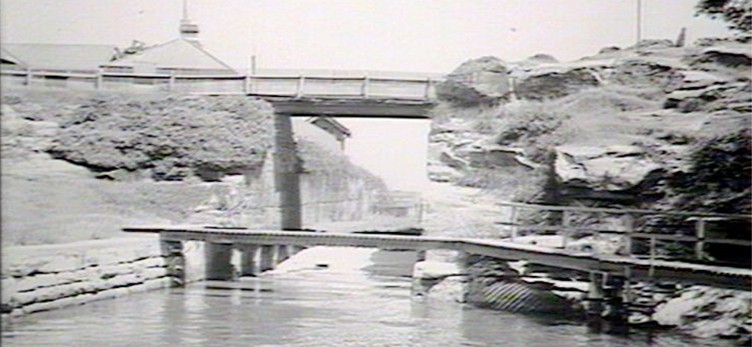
(188, 30)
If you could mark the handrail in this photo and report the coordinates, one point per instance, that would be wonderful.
(252, 84)
(700, 220)
(621, 211)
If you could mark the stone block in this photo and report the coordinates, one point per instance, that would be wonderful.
(44, 280)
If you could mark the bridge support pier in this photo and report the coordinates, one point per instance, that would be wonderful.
(606, 310)
(266, 258)
(283, 252)
(176, 261)
(219, 262)
(248, 259)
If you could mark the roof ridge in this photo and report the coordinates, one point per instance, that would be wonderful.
(208, 54)
(20, 61)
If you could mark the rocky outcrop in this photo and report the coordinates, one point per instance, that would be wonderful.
(481, 81)
(709, 312)
(612, 168)
(171, 138)
(556, 84)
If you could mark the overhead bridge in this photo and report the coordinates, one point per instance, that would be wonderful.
(630, 268)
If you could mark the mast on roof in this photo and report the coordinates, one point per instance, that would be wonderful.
(188, 30)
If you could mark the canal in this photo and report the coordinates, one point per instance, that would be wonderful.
(322, 297)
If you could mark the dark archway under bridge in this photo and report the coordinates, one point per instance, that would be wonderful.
(287, 168)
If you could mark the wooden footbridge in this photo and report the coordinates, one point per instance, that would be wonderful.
(634, 269)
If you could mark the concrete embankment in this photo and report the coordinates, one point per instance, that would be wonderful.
(40, 278)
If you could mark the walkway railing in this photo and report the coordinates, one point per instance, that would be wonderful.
(568, 228)
(313, 86)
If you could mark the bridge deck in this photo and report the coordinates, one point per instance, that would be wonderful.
(639, 269)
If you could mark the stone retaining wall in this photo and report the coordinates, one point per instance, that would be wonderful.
(40, 278)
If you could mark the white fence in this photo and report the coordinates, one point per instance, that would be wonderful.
(315, 86)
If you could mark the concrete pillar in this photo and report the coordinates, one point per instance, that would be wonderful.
(287, 168)
(266, 258)
(420, 256)
(248, 260)
(219, 262)
(282, 253)
(173, 250)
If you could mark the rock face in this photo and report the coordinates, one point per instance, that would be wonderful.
(481, 81)
(654, 126)
(612, 168)
(708, 312)
(552, 85)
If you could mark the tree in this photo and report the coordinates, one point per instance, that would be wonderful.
(738, 13)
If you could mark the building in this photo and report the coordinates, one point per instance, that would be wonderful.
(324, 131)
(56, 57)
(181, 56)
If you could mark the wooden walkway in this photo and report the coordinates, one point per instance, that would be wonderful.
(624, 266)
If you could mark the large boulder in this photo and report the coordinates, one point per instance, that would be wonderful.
(612, 168)
(481, 81)
(172, 138)
(555, 84)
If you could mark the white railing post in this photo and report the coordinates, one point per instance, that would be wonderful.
(171, 82)
(364, 87)
(565, 224)
(629, 224)
(28, 76)
(651, 270)
(301, 86)
(513, 222)
(247, 84)
(99, 81)
(429, 82)
(700, 234)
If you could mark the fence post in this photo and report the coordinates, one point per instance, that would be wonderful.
(171, 83)
(629, 224)
(247, 84)
(301, 86)
(513, 221)
(99, 79)
(565, 223)
(700, 234)
(28, 76)
(364, 88)
(652, 256)
(429, 82)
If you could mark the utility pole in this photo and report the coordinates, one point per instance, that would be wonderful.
(639, 21)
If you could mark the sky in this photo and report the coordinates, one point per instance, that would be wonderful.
(395, 35)
(426, 36)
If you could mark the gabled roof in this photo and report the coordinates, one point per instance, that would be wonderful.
(330, 124)
(58, 56)
(175, 54)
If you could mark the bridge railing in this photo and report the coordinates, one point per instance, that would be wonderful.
(568, 229)
(365, 87)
